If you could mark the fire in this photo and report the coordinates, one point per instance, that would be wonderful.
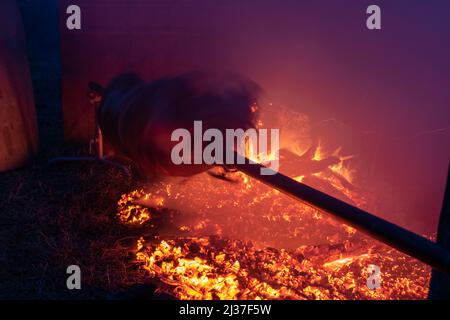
(217, 268)
(132, 213)
(339, 263)
(264, 245)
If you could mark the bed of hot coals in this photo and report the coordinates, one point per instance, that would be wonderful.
(222, 235)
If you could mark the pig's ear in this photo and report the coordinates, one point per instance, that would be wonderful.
(124, 82)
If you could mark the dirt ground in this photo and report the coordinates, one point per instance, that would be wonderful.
(58, 216)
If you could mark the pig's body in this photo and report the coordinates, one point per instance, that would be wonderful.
(137, 118)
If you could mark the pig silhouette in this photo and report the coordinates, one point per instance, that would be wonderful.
(137, 118)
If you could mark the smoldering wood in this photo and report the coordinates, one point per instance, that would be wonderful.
(294, 165)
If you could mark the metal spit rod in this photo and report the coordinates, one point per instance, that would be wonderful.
(389, 233)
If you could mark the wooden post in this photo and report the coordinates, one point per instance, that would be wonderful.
(18, 124)
(440, 282)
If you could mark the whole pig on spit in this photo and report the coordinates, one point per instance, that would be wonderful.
(137, 118)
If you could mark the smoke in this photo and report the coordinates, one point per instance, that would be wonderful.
(138, 117)
(238, 207)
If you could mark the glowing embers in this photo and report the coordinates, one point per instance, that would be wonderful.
(214, 268)
(191, 265)
(217, 268)
(238, 208)
(130, 212)
(219, 194)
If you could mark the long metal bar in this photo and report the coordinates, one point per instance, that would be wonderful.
(389, 233)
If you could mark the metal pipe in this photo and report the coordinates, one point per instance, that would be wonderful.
(391, 234)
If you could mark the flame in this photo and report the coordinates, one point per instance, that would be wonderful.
(340, 168)
(339, 263)
(265, 245)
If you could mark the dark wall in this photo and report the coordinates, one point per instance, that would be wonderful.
(40, 19)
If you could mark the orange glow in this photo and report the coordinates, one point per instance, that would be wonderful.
(216, 268)
(265, 245)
